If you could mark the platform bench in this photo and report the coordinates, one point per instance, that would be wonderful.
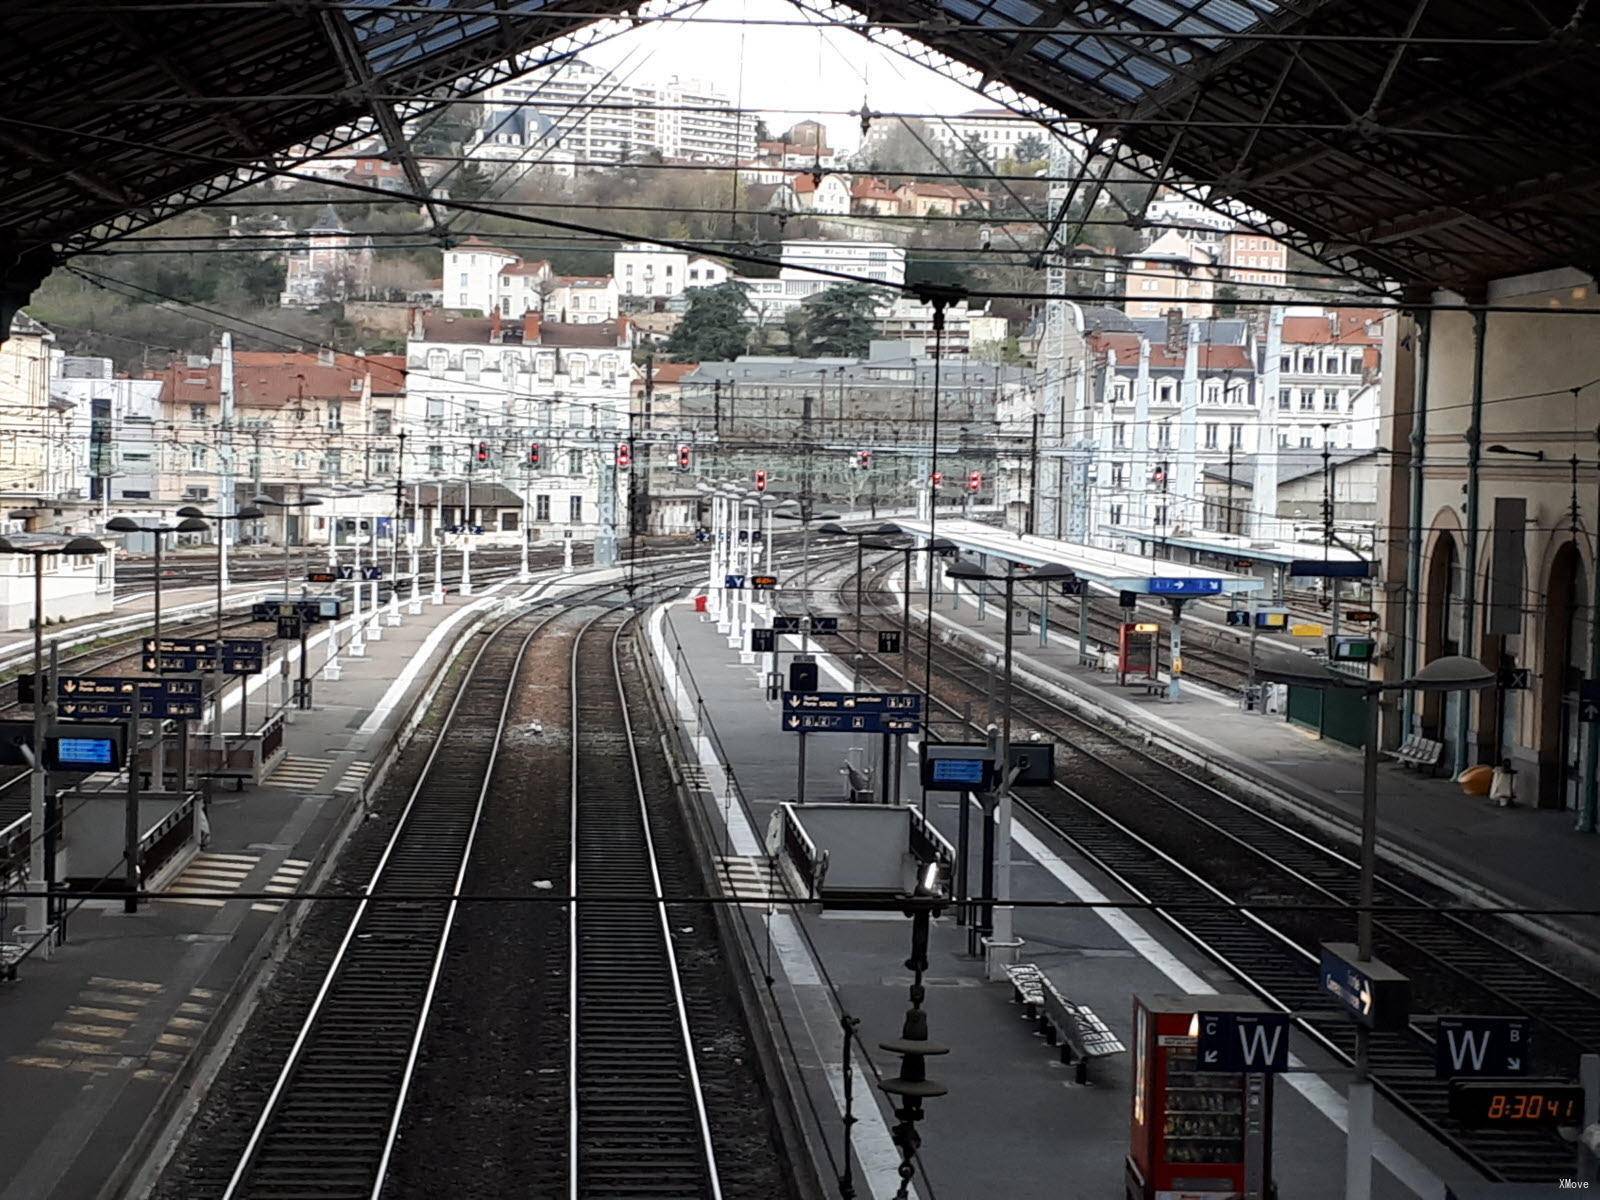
(1157, 688)
(1417, 751)
(1073, 1027)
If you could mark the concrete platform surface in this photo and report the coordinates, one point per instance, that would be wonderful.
(1014, 1123)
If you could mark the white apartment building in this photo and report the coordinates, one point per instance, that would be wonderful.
(648, 269)
(582, 299)
(1328, 379)
(997, 131)
(881, 262)
(504, 385)
(483, 277)
(603, 120)
(111, 447)
(29, 451)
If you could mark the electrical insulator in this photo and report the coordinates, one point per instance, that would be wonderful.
(761, 481)
(685, 457)
(864, 459)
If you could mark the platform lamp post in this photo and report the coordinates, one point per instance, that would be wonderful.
(1001, 943)
(938, 545)
(1452, 673)
(834, 529)
(41, 835)
(804, 516)
(248, 513)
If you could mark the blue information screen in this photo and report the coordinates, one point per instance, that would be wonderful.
(1185, 587)
(85, 752)
(958, 770)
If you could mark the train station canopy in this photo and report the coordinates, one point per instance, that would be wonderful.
(1430, 144)
(1109, 569)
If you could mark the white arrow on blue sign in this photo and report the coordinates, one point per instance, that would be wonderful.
(733, 582)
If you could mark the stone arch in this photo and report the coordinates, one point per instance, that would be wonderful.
(1440, 590)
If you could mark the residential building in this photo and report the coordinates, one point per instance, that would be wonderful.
(515, 141)
(1172, 272)
(334, 264)
(871, 196)
(486, 278)
(994, 133)
(1200, 226)
(601, 121)
(582, 299)
(30, 437)
(883, 262)
(828, 195)
(919, 199)
(1251, 260)
(113, 423)
(907, 319)
(480, 391)
(294, 422)
(648, 269)
(1328, 378)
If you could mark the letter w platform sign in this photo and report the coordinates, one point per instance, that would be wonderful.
(1232, 1041)
(1496, 1047)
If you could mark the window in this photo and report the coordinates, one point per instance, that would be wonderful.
(471, 365)
(383, 462)
(197, 458)
(1164, 435)
(574, 462)
(1211, 435)
(438, 362)
(1119, 391)
(608, 369)
(1308, 400)
(332, 464)
(435, 412)
(1213, 391)
(382, 421)
(694, 272)
(1305, 441)
(299, 460)
(1283, 441)
(508, 368)
(469, 414)
(1161, 514)
(436, 460)
(1236, 436)
(546, 367)
(541, 508)
(1166, 391)
(1119, 435)
(335, 415)
(1116, 514)
(575, 503)
(197, 414)
(1330, 400)
(1116, 474)
(1235, 391)
(463, 281)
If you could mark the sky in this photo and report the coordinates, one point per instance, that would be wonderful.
(770, 69)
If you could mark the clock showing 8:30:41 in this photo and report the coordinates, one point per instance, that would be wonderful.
(1488, 1104)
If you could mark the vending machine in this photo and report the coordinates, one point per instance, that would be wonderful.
(1195, 1134)
(1136, 652)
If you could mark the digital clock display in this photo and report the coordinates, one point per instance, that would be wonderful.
(1480, 1105)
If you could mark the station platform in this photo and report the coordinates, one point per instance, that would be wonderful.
(1521, 856)
(1014, 1122)
(101, 1042)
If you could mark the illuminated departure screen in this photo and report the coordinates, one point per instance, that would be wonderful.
(958, 770)
(85, 752)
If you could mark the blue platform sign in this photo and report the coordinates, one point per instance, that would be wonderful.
(371, 573)
(852, 712)
(1373, 993)
(734, 583)
(102, 697)
(1184, 587)
(1232, 1041)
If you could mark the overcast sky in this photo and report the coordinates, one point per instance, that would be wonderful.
(771, 69)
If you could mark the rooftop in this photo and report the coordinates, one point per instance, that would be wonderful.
(269, 379)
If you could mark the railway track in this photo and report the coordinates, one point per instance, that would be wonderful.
(1180, 843)
(639, 1125)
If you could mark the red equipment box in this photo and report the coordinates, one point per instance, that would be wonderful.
(1195, 1135)
(1136, 651)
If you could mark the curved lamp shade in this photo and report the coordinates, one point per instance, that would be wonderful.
(124, 525)
(189, 510)
(1451, 673)
(192, 525)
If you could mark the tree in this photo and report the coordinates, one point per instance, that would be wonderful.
(1030, 148)
(763, 134)
(470, 183)
(907, 145)
(839, 321)
(1227, 300)
(715, 328)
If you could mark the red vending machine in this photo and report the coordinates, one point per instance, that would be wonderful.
(1195, 1135)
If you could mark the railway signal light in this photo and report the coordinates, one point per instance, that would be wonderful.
(974, 481)
(624, 456)
(483, 452)
(533, 454)
(685, 457)
(864, 460)
(938, 479)
(1159, 475)
(761, 481)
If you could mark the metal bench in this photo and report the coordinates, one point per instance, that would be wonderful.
(1157, 687)
(1418, 751)
(1073, 1027)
